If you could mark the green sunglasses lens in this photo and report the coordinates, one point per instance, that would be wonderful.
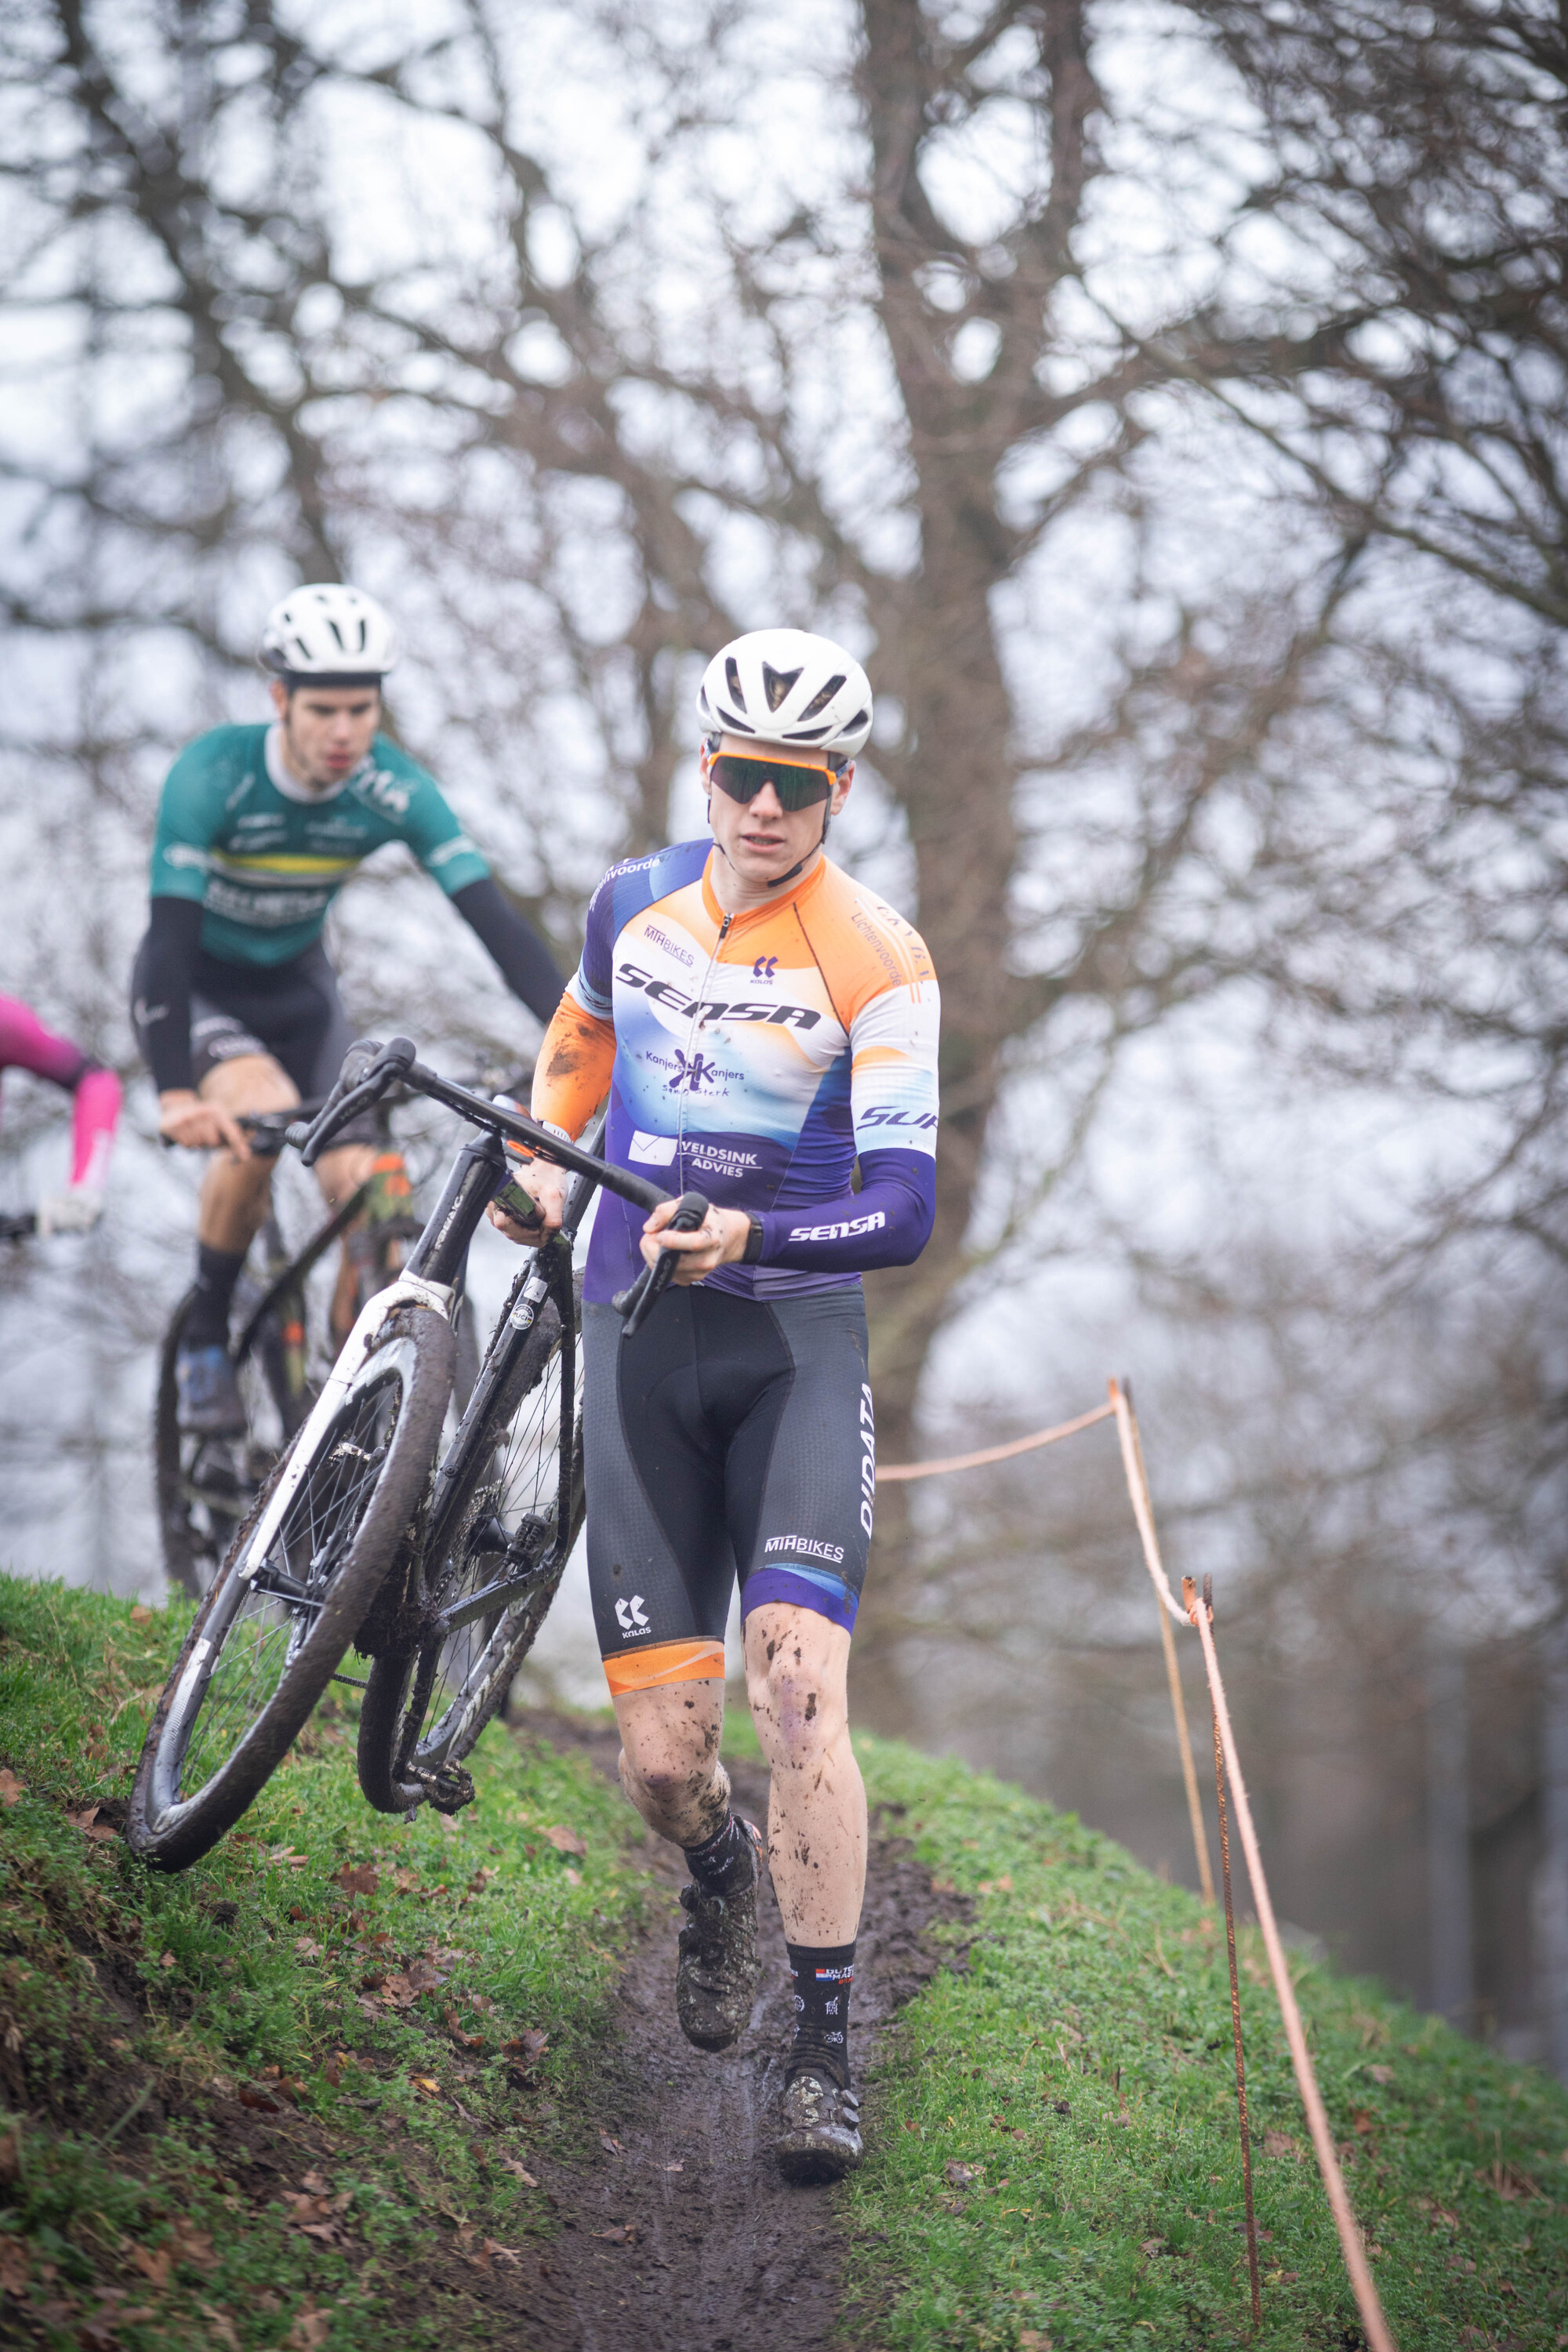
(797, 788)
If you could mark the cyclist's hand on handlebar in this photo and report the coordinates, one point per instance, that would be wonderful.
(197, 1125)
(719, 1240)
(547, 1187)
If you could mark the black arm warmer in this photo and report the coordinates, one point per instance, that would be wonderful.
(163, 973)
(525, 963)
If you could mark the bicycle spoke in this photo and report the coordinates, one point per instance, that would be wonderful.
(523, 1502)
(282, 1599)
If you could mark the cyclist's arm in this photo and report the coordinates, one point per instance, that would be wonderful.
(893, 1101)
(515, 948)
(173, 935)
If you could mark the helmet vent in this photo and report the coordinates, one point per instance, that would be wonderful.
(861, 718)
(776, 683)
(732, 681)
(820, 701)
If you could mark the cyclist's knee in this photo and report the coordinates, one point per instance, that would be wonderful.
(796, 1680)
(670, 1756)
(250, 1082)
(343, 1171)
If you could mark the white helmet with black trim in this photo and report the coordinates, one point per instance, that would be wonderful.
(788, 686)
(330, 634)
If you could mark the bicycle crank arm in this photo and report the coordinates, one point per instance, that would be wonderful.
(408, 1290)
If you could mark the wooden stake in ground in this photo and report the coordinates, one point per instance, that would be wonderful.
(1143, 1512)
(1234, 1995)
(1357, 2264)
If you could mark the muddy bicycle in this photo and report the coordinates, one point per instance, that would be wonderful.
(437, 1565)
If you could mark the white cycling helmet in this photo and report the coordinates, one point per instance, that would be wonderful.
(787, 685)
(331, 634)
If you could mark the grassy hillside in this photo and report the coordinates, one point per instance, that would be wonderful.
(292, 2097)
(289, 2097)
(1057, 2160)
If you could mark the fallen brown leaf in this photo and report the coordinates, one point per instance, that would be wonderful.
(529, 2045)
(428, 2083)
(309, 2331)
(943, 1886)
(11, 1790)
(1281, 2142)
(222, 2328)
(361, 1878)
(1381, 2073)
(307, 1948)
(958, 2175)
(87, 1820)
(611, 2146)
(96, 2333)
(192, 2246)
(154, 2264)
(519, 2171)
(617, 2234)
(140, 1614)
(500, 2254)
(13, 2267)
(261, 2101)
(566, 1841)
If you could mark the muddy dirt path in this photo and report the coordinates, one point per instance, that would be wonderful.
(684, 2237)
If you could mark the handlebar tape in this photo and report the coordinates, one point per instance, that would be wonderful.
(356, 1089)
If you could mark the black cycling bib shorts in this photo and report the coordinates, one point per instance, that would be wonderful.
(730, 1436)
(292, 1010)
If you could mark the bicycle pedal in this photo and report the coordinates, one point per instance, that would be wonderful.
(448, 1788)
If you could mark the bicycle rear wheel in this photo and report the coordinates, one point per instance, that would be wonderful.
(424, 1708)
(286, 1604)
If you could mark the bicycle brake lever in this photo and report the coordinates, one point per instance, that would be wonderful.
(638, 1300)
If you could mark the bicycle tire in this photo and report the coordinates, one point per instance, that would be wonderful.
(424, 1707)
(257, 1659)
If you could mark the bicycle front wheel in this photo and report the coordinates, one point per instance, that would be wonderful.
(424, 1708)
(285, 1606)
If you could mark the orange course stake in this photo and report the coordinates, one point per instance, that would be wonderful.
(1234, 1998)
(1137, 1487)
(1356, 2264)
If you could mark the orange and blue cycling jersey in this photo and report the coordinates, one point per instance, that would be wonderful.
(753, 1058)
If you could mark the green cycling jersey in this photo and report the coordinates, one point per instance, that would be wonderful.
(265, 859)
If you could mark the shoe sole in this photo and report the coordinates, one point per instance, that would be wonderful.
(805, 2159)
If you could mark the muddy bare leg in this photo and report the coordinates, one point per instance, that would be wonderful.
(797, 1670)
(670, 1760)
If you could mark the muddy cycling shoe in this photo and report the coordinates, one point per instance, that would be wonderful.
(716, 1975)
(821, 2136)
(210, 1402)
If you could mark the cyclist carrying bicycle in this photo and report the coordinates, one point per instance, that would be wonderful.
(760, 1021)
(234, 1002)
(26, 1045)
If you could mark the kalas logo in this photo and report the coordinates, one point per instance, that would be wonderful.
(764, 967)
(630, 1616)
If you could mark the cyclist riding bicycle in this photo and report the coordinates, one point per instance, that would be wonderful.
(26, 1045)
(760, 1021)
(234, 1002)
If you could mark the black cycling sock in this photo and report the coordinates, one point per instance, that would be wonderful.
(822, 1974)
(727, 1864)
(206, 1319)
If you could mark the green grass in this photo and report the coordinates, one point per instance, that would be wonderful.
(1055, 2157)
(297, 2085)
(217, 2128)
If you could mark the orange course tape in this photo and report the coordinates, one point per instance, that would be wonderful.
(896, 1470)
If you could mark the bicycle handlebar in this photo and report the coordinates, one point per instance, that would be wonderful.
(362, 1083)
